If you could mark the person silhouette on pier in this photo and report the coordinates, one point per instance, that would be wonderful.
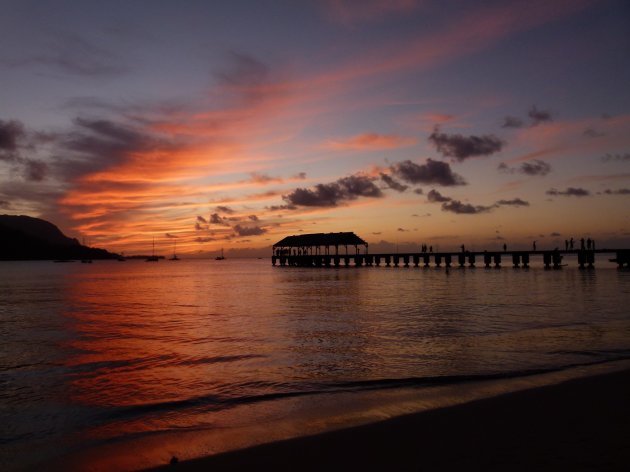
(571, 243)
(463, 248)
(588, 244)
(534, 245)
(593, 244)
(566, 244)
(430, 248)
(582, 244)
(504, 247)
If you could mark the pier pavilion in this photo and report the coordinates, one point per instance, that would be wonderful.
(313, 244)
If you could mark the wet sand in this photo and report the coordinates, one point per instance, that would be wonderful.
(582, 424)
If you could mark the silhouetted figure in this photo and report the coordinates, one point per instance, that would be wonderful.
(566, 244)
(582, 244)
(588, 244)
(463, 248)
(571, 243)
(430, 248)
(504, 247)
(534, 245)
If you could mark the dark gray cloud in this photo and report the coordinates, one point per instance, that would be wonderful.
(436, 197)
(462, 147)
(535, 167)
(170, 236)
(249, 230)
(512, 122)
(616, 157)
(513, 202)
(569, 192)
(621, 191)
(456, 206)
(204, 239)
(281, 207)
(224, 209)
(201, 219)
(418, 191)
(97, 144)
(5, 204)
(253, 217)
(11, 133)
(300, 176)
(538, 116)
(329, 195)
(15, 141)
(393, 183)
(35, 170)
(215, 219)
(431, 172)
(593, 133)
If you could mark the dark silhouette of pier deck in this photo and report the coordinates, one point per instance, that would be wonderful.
(322, 250)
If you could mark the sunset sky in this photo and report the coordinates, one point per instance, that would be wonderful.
(234, 124)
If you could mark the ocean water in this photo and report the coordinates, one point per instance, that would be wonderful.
(111, 365)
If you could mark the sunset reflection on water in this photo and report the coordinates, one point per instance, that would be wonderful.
(116, 353)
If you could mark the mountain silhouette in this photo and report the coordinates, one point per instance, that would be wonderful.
(27, 238)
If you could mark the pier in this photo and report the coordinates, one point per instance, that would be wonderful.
(323, 250)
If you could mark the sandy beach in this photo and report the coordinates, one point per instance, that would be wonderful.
(581, 424)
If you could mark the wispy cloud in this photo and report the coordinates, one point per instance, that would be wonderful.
(538, 116)
(72, 54)
(513, 202)
(536, 167)
(616, 157)
(569, 192)
(352, 12)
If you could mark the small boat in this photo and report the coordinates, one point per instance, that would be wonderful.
(221, 257)
(174, 257)
(152, 257)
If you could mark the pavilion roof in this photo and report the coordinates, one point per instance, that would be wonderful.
(321, 239)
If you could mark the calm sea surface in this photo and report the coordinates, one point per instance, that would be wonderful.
(193, 357)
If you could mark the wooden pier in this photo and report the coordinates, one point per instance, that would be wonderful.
(323, 250)
(550, 259)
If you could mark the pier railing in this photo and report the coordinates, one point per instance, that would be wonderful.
(550, 259)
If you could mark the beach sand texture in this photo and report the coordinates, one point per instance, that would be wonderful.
(579, 425)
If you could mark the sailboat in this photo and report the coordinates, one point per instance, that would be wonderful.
(174, 258)
(221, 257)
(152, 257)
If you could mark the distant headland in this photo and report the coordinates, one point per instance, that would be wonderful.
(27, 238)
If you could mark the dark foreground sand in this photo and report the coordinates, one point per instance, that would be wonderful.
(579, 425)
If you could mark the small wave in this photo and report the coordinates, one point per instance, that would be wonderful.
(216, 402)
(218, 359)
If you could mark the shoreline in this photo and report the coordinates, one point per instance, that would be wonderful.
(578, 424)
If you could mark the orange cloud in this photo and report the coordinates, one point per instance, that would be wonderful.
(371, 141)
